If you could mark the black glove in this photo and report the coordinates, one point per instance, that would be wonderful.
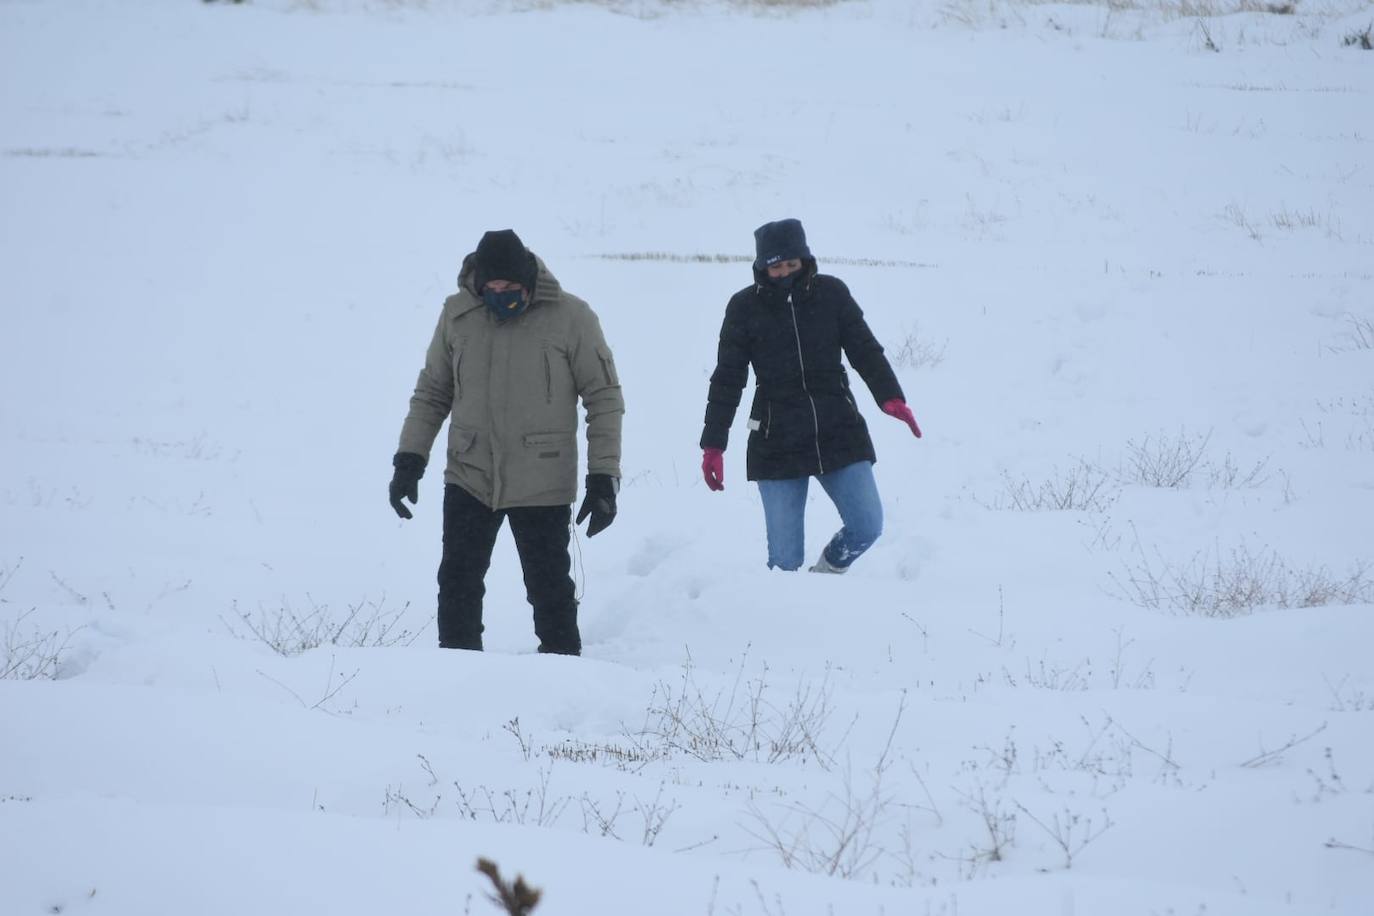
(599, 502)
(410, 467)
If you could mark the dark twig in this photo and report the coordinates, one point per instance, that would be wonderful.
(516, 898)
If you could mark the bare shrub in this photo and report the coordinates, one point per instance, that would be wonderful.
(741, 722)
(1346, 698)
(1228, 475)
(367, 624)
(1236, 215)
(1048, 675)
(1167, 462)
(1273, 756)
(844, 836)
(1292, 220)
(840, 837)
(28, 653)
(1072, 832)
(1360, 334)
(918, 352)
(652, 815)
(331, 689)
(536, 806)
(1186, 9)
(1218, 585)
(719, 258)
(1108, 756)
(1363, 39)
(6, 574)
(605, 753)
(31, 654)
(1083, 487)
(1177, 462)
(999, 824)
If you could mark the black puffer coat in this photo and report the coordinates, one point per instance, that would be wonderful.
(804, 419)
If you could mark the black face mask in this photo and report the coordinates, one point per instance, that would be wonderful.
(785, 284)
(505, 304)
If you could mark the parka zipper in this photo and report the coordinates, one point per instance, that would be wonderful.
(815, 417)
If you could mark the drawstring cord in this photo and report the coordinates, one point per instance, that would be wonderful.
(579, 571)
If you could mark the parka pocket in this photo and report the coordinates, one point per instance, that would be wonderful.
(548, 444)
(608, 366)
(546, 465)
(761, 421)
(461, 440)
(462, 449)
(548, 376)
(853, 407)
(458, 372)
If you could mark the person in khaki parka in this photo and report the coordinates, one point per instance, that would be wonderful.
(512, 354)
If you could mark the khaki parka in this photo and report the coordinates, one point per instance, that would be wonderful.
(509, 390)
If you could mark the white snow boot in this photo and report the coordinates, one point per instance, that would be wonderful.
(824, 566)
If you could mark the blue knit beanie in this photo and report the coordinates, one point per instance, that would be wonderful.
(779, 241)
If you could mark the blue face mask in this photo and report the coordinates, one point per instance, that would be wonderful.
(507, 303)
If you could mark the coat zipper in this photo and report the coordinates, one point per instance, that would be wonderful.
(815, 417)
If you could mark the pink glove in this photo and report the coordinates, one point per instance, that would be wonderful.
(896, 407)
(713, 468)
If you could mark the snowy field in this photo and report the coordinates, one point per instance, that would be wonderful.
(1112, 655)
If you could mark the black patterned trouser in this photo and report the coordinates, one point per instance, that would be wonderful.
(541, 538)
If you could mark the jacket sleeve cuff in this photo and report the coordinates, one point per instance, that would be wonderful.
(410, 462)
(715, 438)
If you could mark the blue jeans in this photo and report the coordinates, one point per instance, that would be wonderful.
(854, 494)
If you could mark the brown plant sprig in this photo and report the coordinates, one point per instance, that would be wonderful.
(518, 898)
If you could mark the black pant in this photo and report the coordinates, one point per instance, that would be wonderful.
(541, 538)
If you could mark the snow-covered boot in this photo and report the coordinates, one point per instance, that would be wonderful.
(825, 566)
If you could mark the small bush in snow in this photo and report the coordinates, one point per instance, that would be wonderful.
(32, 654)
(917, 352)
(1363, 39)
(536, 806)
(1177, 462)
(1072, 832)
(1228, 586)
(741, 723)
(1083, 487)
(845, 835)
(366, 624)
(28, 653)
(1361, 333)
(1163, 462)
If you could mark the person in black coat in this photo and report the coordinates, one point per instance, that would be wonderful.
(791, 325)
